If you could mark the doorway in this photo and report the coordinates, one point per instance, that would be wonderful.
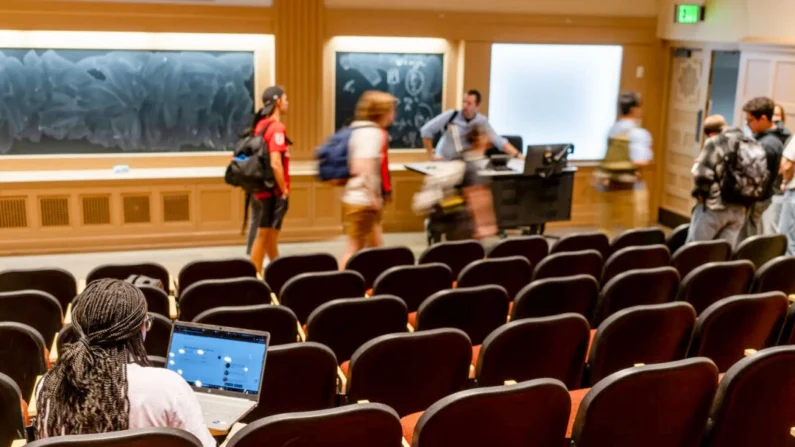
(723, 85)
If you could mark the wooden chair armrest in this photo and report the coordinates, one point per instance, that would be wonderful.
(301, 333)
(342, 381)
(409, 328)
(67, 318)
(19, 442)
(363, 401)
(233, 431)
(639, 364)
(32, 410)
(274, 299)
(81, 285)
(54, 350)
(171, 287)
(172, 307)
(509, 382)
(749, 352)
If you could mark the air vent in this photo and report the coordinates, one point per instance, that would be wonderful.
(54, 211)
(176, 207)
(12, 212)
(96, 210)
(136, 209)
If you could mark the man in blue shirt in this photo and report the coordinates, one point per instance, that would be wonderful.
(463, 121)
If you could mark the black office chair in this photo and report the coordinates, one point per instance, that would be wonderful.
(203, 270)
(677, 238)
(124, 271)
(140, 437)
(212, 293)
(761, 249)
(57, 282)
(12, 425)
(349, 426)
(695, 254)
(279, 321)
(39, 310)
(285, 268)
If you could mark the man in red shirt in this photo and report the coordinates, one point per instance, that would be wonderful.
(273, 204)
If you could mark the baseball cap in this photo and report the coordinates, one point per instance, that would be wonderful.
(269, 98)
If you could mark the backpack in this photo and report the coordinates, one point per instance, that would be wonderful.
(439, 193)
(617, 166)
(746, 177)
(250, 169)
(141, 280)
(332, 157)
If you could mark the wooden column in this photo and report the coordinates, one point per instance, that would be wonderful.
(300, 33)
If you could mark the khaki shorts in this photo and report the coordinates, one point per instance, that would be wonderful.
(359, 220)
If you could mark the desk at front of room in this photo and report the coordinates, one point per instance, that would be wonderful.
(97, 210)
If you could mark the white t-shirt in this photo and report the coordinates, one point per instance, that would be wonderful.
(364, 143)
(160, 398)
(789, 154)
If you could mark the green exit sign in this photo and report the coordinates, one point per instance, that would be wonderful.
(689, 13)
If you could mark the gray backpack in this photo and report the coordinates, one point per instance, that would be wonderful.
(746, 177)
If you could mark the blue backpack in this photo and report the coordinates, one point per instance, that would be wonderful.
(332, 157)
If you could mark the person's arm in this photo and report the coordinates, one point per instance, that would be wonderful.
(365, 153)
(704, 171)
(432, 128)
(787, 164)
(186, 413)
(502, 143)
(640, 147)
(277, 147)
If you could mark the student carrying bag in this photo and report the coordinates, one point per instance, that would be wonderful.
(250, 169)
(332, 157)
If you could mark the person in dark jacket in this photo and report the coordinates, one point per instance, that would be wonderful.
(759, 118)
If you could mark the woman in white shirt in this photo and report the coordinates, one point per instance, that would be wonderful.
(102, 382)
(362, 200)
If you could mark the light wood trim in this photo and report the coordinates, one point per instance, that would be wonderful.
(342, 381)
(792, 432)
(405, 443)
(471, 371)
(409, 328)
(639, 364)
(54, 351)
(19, 442)
(81, 285)
(67, 319)
(233, 431)
(791, 298)
(172, 308)
(363, 401)
(749, 352)
(32, 410)
(301, 333)
(509, 382)
(274, 299)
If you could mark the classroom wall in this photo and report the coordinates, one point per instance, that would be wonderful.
(304, 33)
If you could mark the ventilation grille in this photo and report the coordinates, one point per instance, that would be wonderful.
(176, 207)
(136, 209)
(12, 212)
(54, 211)
(96, 210)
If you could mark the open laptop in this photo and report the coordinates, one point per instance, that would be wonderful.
(223, 365)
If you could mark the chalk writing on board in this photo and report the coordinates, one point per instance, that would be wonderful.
(416, 80)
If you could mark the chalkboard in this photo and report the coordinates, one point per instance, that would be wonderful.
(62, 101)
(416, 80)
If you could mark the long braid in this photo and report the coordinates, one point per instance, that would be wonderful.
(86, 391)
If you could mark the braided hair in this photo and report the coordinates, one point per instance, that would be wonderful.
(86, 391)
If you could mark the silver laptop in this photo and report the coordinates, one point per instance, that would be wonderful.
(223, 365)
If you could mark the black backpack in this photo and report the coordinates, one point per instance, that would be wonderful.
(250, 169)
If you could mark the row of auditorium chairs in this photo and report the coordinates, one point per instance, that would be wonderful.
(683, 404)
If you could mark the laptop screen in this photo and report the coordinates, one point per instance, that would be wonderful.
(217, 358)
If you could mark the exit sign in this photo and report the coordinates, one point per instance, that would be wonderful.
(689, 14)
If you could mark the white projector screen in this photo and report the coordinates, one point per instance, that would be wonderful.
(556, 94)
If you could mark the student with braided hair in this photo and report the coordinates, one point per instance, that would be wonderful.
(103, 382)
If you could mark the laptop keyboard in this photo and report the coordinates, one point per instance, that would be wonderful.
(221, 410)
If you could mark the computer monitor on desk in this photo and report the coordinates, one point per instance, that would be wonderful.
(546, 159)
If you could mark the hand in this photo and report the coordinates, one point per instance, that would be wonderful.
(435, 157)
(520, 156)
(783, 186)
(285, 193)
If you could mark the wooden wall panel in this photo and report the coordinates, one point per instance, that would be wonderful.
(767, 73)
(477, 70)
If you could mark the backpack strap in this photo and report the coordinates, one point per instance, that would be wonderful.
(450, 121)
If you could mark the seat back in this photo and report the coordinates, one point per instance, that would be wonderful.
(371, 262)
(159, 336)
(156, 300)
(550, 347)
(475, 310)
(677, 238)
(587, 262)
(203, 270)
(761, 249)
(139, 437)
(352, 425)
(454, 254)
(636, 288)
(555, 296)
(635, 258)
(637, 237)
(346, 324)
(727, 328)
(22, 355)
(37, 309)
(753, 406)
(212, 293)
(655, 406)
(124, 271)
(583, 241)
(298, 377)
(414, 283)
(409, 372)
(712, 282)
(695, 254)
(279, 321)
(65, 336)
(776, 276)
(788, 334)
(306, 292)
(285, 268)
(533, 248)
(530, 414)
(510, 273)
(642, 334)
(12, 425)
(57, 282)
